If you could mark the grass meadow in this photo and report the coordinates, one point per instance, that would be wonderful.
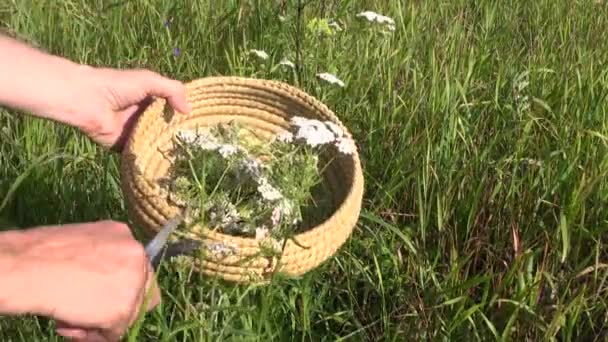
(483, 136)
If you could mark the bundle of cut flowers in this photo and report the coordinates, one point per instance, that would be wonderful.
(267, 190)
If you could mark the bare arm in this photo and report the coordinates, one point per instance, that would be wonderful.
(101, 102)
(15, 273)
(39, 83)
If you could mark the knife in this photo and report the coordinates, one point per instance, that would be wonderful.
(159, 242)
(155, 246)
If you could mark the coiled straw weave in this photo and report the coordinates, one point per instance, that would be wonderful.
(266, 106)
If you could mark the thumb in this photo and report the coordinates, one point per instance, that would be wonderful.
(172, 90)
(76, 334)
(69, 331)
(73, 333)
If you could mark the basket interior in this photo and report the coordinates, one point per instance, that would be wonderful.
(264, 111)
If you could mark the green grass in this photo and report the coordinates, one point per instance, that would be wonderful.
(482, 129)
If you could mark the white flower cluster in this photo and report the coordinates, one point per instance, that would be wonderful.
(253, 168)
(315, 133)
(224, 215)
(267, 191)
(261, 233)
(207, 142)
(333, 24)
(286, 62)
(259, 53)
(331, 78)
(378, 18)
(221, 249)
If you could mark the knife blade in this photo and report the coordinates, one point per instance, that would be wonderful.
(155, 246)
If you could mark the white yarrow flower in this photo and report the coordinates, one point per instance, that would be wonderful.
(314, 132)
(375, 17)
(285, 137)
(286, 207)
(331, 78)
(275, 218)
(346, 146)
(187, 135)
(337, 130)
(302, 121)
(252, 167)
(221, 248)
(224, 215)
(335, 25)
(261, 54)
(287, 63)
(261, 233)
(204, 141)
(315, 136)
(227, 150)
(267, 191)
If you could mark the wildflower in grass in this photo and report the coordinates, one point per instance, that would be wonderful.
(334, 25)
(378, 18)
(331, 78)
(168, 22)
(287, 63)
(176, 52)
(259, 53)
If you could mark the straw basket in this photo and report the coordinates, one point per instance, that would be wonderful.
(266, 106)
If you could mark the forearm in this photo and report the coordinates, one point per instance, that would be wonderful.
(38, 83)
(17, 288)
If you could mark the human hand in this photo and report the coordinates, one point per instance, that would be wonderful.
(101, 102)
(92, 278)
(113, 99)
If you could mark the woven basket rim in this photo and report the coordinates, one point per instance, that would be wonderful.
(250, 242)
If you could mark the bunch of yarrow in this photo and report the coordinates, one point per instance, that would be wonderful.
(267, 190)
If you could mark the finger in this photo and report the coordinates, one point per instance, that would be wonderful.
(151, 291)
(155, 296)
(72, 333)
(129, 117)
(173, 91)
(82, 335)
